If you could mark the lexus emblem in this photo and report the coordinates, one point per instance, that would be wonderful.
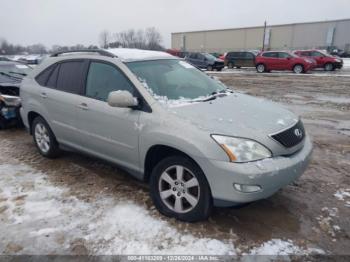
(298, 133)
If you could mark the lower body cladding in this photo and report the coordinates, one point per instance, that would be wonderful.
(238, 183)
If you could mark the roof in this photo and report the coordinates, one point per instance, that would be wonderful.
(133, 54)
(261, 26)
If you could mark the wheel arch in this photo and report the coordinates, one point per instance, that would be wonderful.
(157, 153)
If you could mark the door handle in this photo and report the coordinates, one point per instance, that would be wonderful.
(43, 95)
(83, 106)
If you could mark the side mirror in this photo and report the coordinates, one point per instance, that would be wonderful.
(121, 99)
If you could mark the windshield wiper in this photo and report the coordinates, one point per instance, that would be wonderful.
(17, 73)
(11, 76)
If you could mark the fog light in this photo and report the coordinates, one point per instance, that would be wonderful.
(246, 188)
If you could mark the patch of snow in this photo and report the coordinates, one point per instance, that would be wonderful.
(346, 62)
(342, 194)
(133, 54)
(37, 213)
(278, 247)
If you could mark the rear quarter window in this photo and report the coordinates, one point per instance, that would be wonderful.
(42, 77)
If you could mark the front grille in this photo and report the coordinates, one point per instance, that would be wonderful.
(292, 136)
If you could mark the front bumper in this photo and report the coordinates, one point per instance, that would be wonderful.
(270, 174)
(338, 65)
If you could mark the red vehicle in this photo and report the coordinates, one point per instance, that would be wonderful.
(281, 60)
(323, 60)
(222, 57)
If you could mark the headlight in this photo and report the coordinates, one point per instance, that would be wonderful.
(10, 100)
(338, 60)
(241, 150)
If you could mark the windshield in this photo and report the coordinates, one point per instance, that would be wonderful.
(175, 79)
(14, 69)
(209, 56)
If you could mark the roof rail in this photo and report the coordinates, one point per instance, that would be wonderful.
(98, 51)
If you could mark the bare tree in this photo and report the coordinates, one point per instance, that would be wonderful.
(148, 39)
(104, 39)
(153, 38)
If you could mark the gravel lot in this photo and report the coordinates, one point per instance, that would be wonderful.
(79, 205)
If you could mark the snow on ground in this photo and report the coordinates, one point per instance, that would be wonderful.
(343, 195)
(346, 62)
(37, 217)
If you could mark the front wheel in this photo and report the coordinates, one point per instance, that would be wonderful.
(230, 65)
(210, 68)
(328, 67)
(44, 138)
(179, 189)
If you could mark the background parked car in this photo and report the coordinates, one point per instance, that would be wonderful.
(267, 61)
(217, 55)
(2, 58)
(240, 59)
(323, 60)
(11, 74)
(205, 61)
(177, 52)
(222, 57)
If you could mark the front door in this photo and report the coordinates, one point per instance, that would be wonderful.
(109, 132)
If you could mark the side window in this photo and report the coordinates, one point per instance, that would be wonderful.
(103, 79)
(44, 75)
(195, 56)
(249, 55)
(316, 54)
(272, 55)
(51, 82)
(283, 55)
(70, 77)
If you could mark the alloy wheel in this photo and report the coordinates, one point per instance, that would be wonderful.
(298, 69)
(42, 137)
(261, 68)
(179, 189)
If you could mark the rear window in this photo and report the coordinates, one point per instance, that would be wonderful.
(51, 82)
(70, 77)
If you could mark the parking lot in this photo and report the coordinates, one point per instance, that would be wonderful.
(79, 205)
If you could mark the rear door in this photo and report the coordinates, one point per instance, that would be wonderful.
(109, 132)
(59, 97)
(284, 61)
(249, 59)
(271, 60)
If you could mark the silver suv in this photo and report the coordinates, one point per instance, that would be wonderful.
(195, 141)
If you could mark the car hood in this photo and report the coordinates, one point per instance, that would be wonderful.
(238, 115)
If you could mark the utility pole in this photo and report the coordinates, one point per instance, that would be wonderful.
(265, 25)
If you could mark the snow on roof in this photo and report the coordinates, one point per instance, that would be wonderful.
(133, 54)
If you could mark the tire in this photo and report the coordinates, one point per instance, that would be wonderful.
(210, 68)
(298, 69)
(238, 67)
(261, 68)
(230, 65)
(329, 67)
(44, 138)
(164, 179)
(219, 69)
